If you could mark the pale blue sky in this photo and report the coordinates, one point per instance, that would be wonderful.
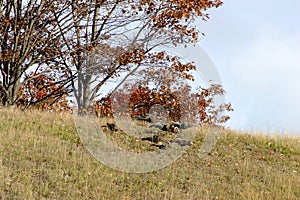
(255, 46)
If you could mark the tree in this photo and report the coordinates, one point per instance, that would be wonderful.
(92, 42)
(29, 39)
(43, 91)
(108, 38)
(168, 89)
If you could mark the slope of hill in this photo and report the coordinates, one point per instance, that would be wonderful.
(41, 157)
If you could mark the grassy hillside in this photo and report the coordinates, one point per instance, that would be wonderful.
(41, 157)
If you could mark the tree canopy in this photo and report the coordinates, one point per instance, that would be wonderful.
(57, 48)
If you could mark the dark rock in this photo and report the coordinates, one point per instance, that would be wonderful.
(165, 128)
(111, 126)
(160, 145)
(154, 138)
(177, 124)
(145, 118)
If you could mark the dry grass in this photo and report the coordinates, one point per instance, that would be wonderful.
(42, 158)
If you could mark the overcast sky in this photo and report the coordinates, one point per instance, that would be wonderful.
(255, 46)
